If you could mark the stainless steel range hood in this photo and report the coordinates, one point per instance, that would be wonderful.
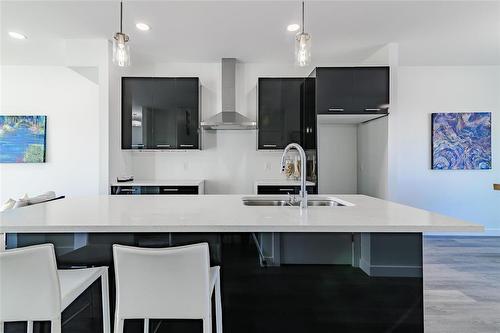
(228, 119)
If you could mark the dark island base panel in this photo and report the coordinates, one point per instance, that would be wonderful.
(288, 298)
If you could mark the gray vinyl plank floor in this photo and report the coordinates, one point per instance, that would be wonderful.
(462, 284)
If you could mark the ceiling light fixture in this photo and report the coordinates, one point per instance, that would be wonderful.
(142, 26)
(17, 35)
(303, 45)
(121, 50)
(293, 27)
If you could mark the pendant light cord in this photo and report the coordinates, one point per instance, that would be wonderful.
(121, 16)
(302, 16)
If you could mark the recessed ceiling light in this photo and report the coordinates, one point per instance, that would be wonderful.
(142, 26)
(293, 27)
(17, 35)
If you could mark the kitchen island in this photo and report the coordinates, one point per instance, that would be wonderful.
(355, 266)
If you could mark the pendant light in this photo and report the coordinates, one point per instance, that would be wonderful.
(303, 45)
(121, 50)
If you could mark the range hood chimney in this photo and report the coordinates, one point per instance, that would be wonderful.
(228, 119)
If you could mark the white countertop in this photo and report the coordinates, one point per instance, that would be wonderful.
(221, 213)
(168, 182)
(279, 182)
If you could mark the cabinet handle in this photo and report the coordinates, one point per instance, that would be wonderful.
(170, 190)
(186, 146)
(269, 146)
(163, 146)
(138, 145)
(286, 189)
(128, 190)
(372, 109)
(335, 110)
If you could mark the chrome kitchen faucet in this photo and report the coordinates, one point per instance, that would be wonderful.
(302, 153)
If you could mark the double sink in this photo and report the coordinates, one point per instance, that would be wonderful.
(283, 201)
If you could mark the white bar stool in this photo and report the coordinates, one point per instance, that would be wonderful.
(166, 283)
(33, 289)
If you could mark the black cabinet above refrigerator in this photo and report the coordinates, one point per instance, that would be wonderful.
(351, 90)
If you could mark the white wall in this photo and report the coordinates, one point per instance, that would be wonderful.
(463, 194)
(372, 158)
(94, 53)
(337, 158)
(229, 161)
(71, 103)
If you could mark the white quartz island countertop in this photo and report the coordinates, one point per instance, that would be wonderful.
(222, 213)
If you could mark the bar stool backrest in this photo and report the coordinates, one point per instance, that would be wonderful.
(163, 283)
(29, 284)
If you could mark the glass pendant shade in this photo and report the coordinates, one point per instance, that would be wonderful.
(121, 50)
(303, 49)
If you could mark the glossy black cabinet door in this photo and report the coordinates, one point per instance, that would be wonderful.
(160, 113)
(145, 190)
(137, 113)
(187, 103)
(280, 108)
(164, 129)
(292, 106)
(309, 114)
(270, 114)
(276, 189)
(334, 90)
(352, 90)
(175, 190)
(371, 89)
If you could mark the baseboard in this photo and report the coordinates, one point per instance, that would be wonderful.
(390, 270)
(488, 232)
(396, 271)
(365, 266)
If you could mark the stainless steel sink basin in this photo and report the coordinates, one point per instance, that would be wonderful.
(327, 202)
(263, 201)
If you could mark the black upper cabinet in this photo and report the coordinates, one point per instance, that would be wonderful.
(164, 115)
(309, 114)
(137, 106)
(334, 89)
(187, 112)
(280, 112)
(160, 113)
(352, 90)
(371, 89)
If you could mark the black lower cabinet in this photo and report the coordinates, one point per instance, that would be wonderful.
(255, 299)
(295, 190)
(144, 190)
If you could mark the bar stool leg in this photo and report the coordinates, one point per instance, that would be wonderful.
(207, 325)
(105, 302)
(218, 307)
(119, 323)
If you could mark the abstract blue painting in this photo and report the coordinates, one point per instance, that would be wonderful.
(461, 141)
(22, 139)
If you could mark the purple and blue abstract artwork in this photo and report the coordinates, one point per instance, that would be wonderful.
(461, 141)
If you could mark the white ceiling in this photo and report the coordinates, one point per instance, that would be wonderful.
(429, 33)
